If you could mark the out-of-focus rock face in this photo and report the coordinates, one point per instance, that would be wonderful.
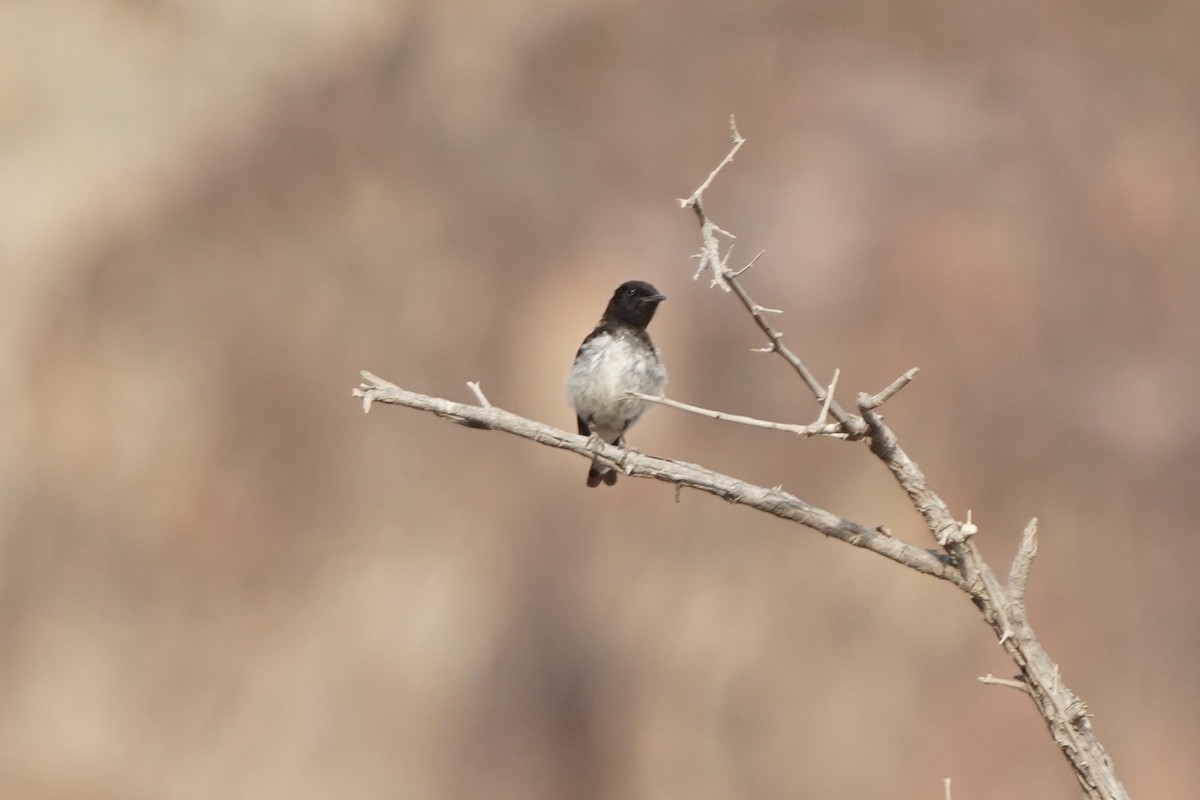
(218, 579)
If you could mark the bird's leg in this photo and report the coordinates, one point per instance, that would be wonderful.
(594, 442)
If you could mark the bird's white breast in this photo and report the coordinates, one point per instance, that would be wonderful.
(608, 367)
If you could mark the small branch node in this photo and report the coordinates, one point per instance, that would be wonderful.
(1079, 714)
(958, 532)
(370, 390)
(952, 534)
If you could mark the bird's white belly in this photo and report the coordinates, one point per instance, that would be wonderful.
(609, 367)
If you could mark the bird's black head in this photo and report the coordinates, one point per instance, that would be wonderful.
(634, 303)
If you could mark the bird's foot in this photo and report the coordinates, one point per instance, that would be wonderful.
(623, 462)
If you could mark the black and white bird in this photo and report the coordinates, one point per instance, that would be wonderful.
(615, 358)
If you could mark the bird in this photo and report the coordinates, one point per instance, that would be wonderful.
(615, 358)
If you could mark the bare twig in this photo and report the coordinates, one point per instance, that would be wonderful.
(773, 501)
(818, 428)
(853, 426)
(1006, 617)
(710, 258)
(874, 401)
(738, 141)
(710, 251)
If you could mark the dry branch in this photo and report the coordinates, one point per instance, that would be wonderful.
(957, 561)
(772, 500)
(1064, 713)
(818, 428)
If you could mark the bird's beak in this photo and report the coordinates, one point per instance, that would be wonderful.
(654, 298)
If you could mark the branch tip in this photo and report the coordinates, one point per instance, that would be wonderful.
(869, 402)
(1018, 574)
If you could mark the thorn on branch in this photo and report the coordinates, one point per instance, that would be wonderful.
(752, 262)
(474, 387)
(1017, 683)
(968, 528)
(1018, 575)
(828, 398)
(725, 260)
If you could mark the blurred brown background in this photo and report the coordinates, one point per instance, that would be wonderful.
(219, 579)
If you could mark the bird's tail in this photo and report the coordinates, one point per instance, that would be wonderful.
(599, 473)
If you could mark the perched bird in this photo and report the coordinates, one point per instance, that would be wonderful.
(615, 358)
